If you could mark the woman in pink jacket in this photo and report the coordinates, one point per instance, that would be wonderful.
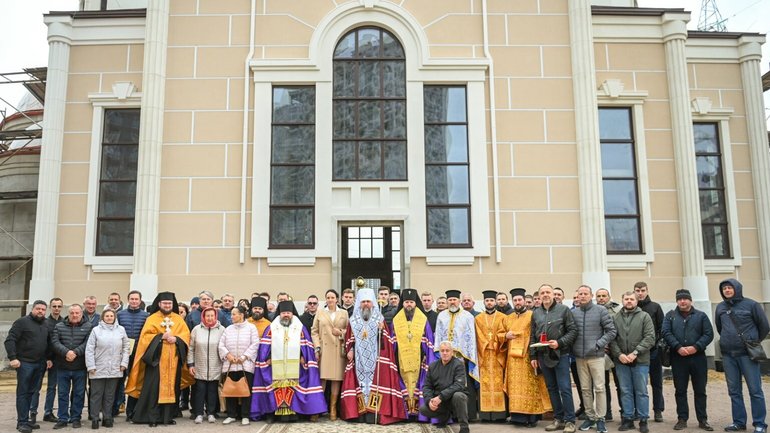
(238, 350)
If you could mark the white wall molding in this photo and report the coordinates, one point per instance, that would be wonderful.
(108, 31)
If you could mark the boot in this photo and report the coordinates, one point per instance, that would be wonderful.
(108, 423)
(33, 421)
(95, 424)
(333, 405)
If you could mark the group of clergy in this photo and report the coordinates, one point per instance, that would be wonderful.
(382, 366)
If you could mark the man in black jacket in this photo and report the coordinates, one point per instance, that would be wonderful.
(656, 368)
(27, 349)
(444, 389)
(55, 305)
(311, 306)
(688, 331)
(69, 345)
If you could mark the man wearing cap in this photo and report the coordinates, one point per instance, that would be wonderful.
(527, 394)
(159, 371)
(286, 377)
(413, 341)
(554, 326)
(458, 327)
(257, 318)
(490, 338)
(371, 387)
(687, 332)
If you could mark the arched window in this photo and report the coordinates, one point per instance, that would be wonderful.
(369, 141)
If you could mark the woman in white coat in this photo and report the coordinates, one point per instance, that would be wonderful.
(107, 352)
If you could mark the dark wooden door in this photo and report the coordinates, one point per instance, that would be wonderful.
(367, 252)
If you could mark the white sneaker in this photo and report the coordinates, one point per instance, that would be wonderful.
(228, 420)
(199, 419)
(245, 421)
(212, 419)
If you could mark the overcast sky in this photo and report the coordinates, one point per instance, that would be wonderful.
(23, 39)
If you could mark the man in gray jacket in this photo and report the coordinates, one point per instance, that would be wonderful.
(631, 353)
(595, 330)
(69, 345)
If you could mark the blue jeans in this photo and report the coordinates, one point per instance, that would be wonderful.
(50, 392)
(28, 377)
(559, 388)
(633, 390)
(76, 380)
(736, 369)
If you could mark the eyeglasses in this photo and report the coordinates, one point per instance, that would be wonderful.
(312, 303)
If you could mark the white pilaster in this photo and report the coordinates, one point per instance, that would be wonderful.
(750, 56)
(145, 275)
(693, 265)
(595, 271)
(46, 220)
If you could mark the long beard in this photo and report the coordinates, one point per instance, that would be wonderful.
(366, 313)
(256, 316)
(285, 322)
(409, 313)
(454, 308)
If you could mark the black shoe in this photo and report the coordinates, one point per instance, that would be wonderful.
(34, 425)
(95, 424)
(626, 424)
(681, 424)
(465, 429)
(172, 422)
(658, 416)
(50, 418)
(532, 424)
(152, 424)
(440, 424)
(59, 425)
(24, 428)
(108, 423)
(76, 424)
(643, 427)
(704, 425)
(735, 427)
(608, 417)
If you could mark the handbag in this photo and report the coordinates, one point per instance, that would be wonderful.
(753, 348)
(235, 388)
(664, 352)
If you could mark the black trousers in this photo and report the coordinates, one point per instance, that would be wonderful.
(686, 369)
(205, 392)
(656, 381)
(576, 379)
(607, 391)
(239, 407)
(456, 407)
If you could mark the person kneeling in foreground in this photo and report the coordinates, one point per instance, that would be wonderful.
(444, 389)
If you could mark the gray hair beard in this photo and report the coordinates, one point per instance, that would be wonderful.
(366, 313)
(286, 322)
(454, 308)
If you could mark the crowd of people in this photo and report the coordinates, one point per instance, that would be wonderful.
(383, 357)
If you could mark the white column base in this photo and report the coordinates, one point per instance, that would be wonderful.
(41, 289)
(597, 280)
(147, 284)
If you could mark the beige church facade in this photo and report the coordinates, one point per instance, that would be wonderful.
(270, 145)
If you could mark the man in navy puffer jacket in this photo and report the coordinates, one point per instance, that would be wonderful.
(738, 319)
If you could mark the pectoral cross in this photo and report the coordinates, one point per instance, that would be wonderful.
(167, 323)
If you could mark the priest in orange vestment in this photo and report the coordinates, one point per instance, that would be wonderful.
(527, 395)
(159, 372)
(490, 342)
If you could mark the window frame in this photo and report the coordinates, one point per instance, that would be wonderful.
(123, 96)
(612, 95)
(467, 164)
(704, 112)
(311, 245)
(723, 190)
(381, 139)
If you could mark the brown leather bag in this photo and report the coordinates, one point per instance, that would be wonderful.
(235, 388)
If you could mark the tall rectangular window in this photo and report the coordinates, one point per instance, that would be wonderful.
(622, 219)
(447, 181)
(292, 168)
(117, 183)
(711, 189)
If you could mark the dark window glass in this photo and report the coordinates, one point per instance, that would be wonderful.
(369, 110)
(117, 183)
(713, 204)
(622, 220)
(447, 171)
(292, 177)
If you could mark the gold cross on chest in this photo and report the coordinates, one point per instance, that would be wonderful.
(167, 323)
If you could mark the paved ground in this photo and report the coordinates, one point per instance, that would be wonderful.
(718, 408)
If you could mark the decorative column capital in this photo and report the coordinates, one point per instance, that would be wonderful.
(59, 29)
(674, 26)
(750, 48)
